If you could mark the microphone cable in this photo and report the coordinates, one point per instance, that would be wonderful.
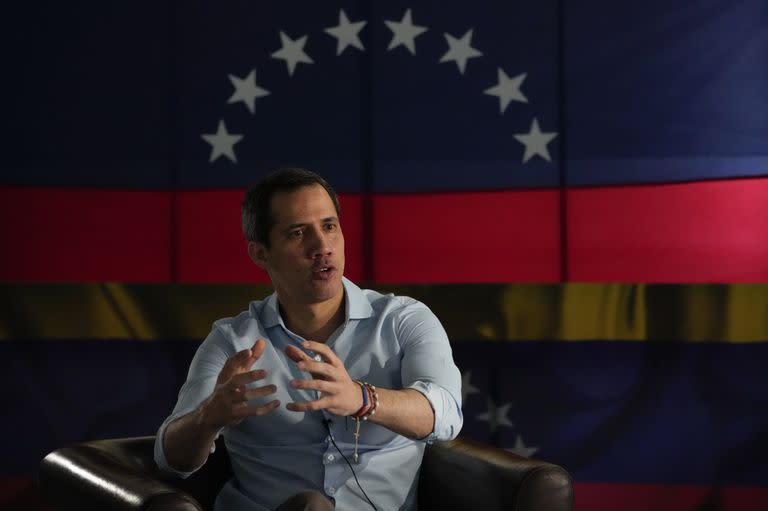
(327, 423)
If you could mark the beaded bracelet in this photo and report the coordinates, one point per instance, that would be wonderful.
(370, 404)
(374, 401)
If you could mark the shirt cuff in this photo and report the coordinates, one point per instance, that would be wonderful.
(162, 461)
(448, 417)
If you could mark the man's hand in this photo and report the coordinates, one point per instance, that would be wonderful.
(339, 394)
(228, 405)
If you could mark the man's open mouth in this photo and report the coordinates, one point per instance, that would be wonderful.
(323, 271)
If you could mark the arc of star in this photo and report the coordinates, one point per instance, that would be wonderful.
(535, 142)
(292, 52)
(246, 91)
(460, 50)
(404, 33)
(521, 449)
(466, 387)
(507, 89)
(496, 415)
(346, 33)
(222, 143)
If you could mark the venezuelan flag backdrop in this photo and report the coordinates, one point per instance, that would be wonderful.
(577, 188)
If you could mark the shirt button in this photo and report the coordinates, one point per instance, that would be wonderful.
(330, 490)
(330, 457)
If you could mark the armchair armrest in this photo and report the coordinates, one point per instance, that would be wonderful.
(461, 474)
(121, 474)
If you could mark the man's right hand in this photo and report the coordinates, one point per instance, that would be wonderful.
(228, 405)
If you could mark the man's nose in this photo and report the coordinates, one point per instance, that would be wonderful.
(320, 243)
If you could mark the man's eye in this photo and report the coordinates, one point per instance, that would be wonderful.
(296, 233)
(330, 227)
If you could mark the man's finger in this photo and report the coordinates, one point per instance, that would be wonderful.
(241, 379)
(324, 351)
(320, 385)
(309, 406)
(258, 348)
(238, 361)
(242, 357)
(257, 392)
(317, 369)
(254, 411)
(296, 354)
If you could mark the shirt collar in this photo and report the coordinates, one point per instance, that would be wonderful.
(357, 306)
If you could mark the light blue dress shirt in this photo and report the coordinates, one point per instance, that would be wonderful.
(389, 341)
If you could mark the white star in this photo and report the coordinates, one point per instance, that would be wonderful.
(508, 89)
(496, 416)
(346, 33)
(466, 387)
(292, 52)
(521, 450)
(222, 143)
(246, 90)
(404, 33)
(535, 142)
(459, 50)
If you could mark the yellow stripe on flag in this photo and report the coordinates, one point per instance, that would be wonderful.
(506, 312)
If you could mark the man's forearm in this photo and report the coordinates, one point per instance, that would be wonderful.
(187, 441)
(405, 411)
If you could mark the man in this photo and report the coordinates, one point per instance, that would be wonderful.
(289, 381)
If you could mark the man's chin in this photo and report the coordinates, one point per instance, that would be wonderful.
(324, 290)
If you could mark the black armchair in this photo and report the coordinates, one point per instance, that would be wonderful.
(121, 474)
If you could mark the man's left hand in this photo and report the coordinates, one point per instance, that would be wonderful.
(339, 394)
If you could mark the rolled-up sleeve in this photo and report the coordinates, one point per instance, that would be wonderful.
(428, 366)
(201, 381)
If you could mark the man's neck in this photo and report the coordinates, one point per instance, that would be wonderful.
(315, 322)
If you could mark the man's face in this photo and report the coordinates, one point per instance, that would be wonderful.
(306, 258)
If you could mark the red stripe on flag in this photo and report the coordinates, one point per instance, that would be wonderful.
(211, 246)
(667, 497)
(209, 240)
(699, 232)
(503, 236)
(57, 235)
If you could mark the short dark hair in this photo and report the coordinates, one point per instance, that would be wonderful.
(257, 203)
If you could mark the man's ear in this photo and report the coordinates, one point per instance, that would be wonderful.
(258, 254)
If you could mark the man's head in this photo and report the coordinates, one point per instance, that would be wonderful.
(291, 222)
(258, 218)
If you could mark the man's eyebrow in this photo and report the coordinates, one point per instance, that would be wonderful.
(304, 224)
